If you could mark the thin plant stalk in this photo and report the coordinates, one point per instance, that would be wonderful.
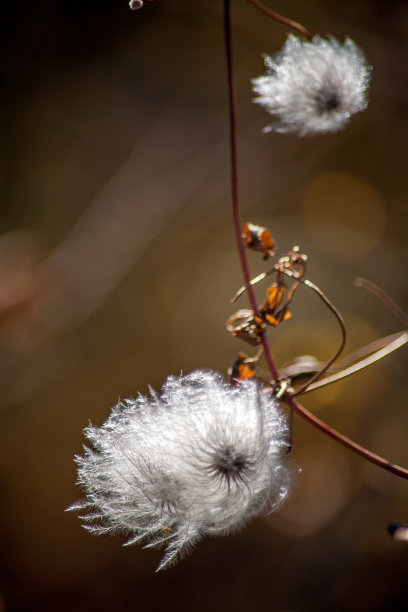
(381, 295)
(289, 22)
(338, 352)
(350, 444)
(293, 404)
(234, 183)
(399, 340)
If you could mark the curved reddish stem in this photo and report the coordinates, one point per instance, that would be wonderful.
(336, 435)
(234, 185)
(381, 295)
(289, 22)
(350, 444)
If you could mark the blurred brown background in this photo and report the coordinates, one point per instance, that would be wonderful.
(117, 263)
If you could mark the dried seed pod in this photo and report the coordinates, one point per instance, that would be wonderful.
(244, 325)
(243, 367)
(269, 310)
(258, 238)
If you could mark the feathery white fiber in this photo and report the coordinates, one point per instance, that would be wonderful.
(201, 458)
(313, 87)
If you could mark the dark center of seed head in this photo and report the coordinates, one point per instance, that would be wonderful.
(327, 100)
(230, 463)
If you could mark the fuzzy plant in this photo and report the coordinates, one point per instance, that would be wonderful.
(313, 87)
(201, 458)
(207, 453)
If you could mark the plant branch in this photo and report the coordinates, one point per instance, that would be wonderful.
(350, 444)
(234, 183)
(381, 295)
(338, 352)
(397, 341)
(292, 403)
(289, 22)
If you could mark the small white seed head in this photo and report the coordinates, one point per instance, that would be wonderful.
(313, 86)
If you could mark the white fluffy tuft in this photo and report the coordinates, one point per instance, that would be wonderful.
(313, 87)
(201, 458)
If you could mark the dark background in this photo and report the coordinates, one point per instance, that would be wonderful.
(117, 263)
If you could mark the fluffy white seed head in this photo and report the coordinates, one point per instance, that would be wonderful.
(313, 87)
(201, 458)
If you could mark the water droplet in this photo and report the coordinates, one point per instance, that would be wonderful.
(135, 4)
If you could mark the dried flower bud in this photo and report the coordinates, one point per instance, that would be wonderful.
(201, 458)
(313, 87)
(258, 238)
(246, 326)
(243, 367)
(269, 310)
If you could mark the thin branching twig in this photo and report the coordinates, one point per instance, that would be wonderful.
(292, 403)
(289, 22)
